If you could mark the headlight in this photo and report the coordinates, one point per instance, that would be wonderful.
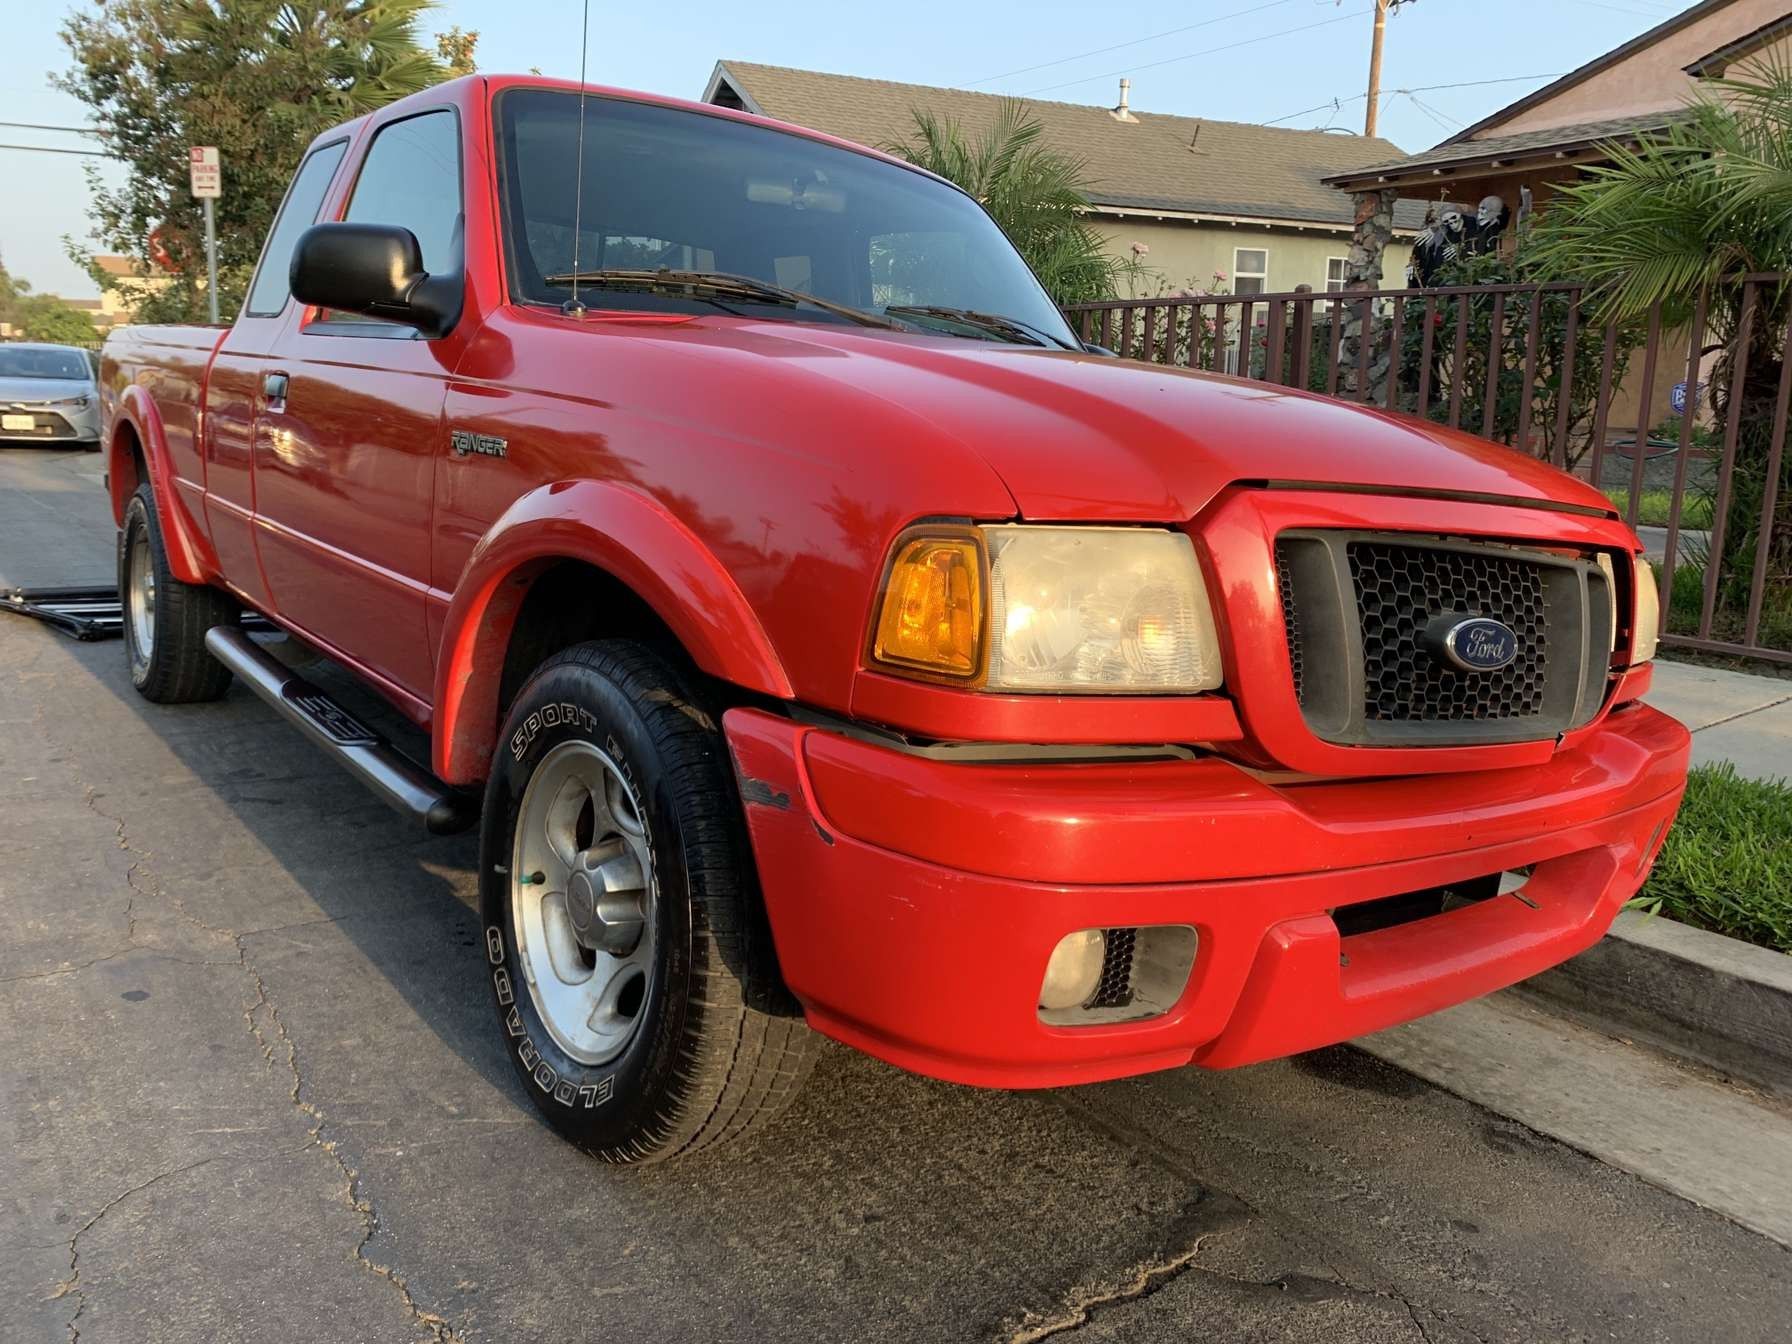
(1645, 623)
(1121, 610)
(74, 403)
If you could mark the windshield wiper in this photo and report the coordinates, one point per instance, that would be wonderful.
(717, 285)
(1011, 327)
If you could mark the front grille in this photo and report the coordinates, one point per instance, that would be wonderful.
(1400, 589)
(1362, 612)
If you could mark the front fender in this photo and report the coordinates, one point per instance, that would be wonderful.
(136, 421)
(630, 536)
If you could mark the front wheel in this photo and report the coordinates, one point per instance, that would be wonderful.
(630, 961)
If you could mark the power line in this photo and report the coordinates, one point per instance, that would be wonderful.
(1121, 46)
(46, 149)
(1623, 9)
(39, 126)
(1434, 114)
(1230, 46)
(1339, 103)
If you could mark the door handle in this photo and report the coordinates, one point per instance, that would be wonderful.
(273, 390)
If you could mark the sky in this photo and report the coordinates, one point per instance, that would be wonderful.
(1235, 60)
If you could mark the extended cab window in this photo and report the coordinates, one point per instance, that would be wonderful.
(270, 291)
(663, 187)
(411, 178)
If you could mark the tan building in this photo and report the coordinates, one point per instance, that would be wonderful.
(1546, 138)
(1199, 196)
(127, 283)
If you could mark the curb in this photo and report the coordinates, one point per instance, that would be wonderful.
(1714, 1000)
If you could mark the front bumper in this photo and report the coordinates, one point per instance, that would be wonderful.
(61, 424)
(914, 902)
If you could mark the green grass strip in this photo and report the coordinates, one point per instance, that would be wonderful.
(1727, 863)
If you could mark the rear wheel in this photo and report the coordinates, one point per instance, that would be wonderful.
(165, 620)
(631, 964)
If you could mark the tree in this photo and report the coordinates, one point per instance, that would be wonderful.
(1691, 212)
(1035, 193)
(41, 317)
(259, 79)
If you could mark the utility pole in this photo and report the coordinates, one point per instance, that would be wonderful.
(1381, 27)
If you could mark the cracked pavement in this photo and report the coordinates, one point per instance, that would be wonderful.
(249, 1091)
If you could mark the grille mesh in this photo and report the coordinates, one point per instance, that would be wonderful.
(1115, 988)
(1400, 589)
(1290, 619)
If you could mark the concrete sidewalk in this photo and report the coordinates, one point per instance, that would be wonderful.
(1734, 716)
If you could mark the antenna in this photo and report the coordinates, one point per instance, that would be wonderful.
(572, 307)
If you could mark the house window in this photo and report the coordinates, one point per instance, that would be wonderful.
(1334, 274)
(1250, 270)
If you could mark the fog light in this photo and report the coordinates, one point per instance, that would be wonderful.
(1074, 969)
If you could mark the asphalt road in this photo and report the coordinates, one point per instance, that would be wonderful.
(249, 1090)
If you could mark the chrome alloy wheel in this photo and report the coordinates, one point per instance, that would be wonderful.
(140, 599)
(582, 912)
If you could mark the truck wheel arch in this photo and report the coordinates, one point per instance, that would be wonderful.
(634, 542)
(137, 451)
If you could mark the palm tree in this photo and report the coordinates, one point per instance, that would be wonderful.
(1689, 213)
(1035, 193)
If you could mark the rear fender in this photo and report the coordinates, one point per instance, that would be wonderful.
(630, 536)
(136, 421)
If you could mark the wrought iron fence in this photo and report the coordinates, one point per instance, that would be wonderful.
(1706, 484)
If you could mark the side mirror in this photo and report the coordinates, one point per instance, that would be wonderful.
(375, 270)
(1090, 348)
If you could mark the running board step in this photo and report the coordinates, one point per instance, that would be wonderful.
(395, 777)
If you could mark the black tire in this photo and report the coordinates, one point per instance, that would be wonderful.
(719, 1047)
(175, 668)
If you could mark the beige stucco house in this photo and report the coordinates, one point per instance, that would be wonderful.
(1546, 138)
(1199, 196)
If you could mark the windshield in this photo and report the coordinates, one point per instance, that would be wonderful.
(23, 362)
(664, 187)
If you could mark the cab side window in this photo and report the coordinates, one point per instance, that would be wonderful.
(411, 178)
(269, 293)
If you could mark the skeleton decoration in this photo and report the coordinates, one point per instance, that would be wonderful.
(1491, 219)
(1443, 240)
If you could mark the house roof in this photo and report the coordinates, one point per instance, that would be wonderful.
(1714, 63)
(1154, 162)
(1591, 68)
(1503, 151)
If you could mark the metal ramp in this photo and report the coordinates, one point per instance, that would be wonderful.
(88, 613)
(92, 612)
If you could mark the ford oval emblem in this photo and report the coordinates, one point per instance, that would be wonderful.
(1480, 644)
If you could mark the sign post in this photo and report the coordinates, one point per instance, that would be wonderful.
(208, 184)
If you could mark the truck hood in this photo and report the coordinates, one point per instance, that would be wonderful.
(1087, 437)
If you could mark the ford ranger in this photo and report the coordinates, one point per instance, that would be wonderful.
(824, 640)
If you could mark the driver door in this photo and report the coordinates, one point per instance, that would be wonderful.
(351, 429)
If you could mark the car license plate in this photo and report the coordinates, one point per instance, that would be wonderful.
(18, 422)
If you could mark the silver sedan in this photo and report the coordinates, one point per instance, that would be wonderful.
(48, 394)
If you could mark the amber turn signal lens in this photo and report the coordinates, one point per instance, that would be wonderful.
(932, 616)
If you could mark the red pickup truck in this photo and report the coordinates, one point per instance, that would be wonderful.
(823, 638)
